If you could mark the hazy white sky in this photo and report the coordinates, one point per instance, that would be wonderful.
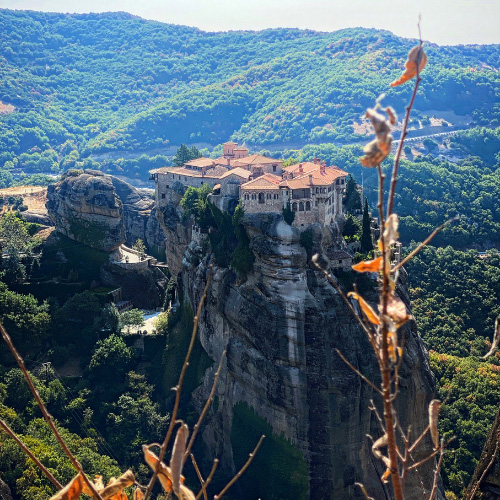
(443, 21)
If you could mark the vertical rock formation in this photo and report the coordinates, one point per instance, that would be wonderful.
(103, 211)
(281, 328)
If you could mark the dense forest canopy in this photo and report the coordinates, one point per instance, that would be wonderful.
(120, 93)
(81, 84)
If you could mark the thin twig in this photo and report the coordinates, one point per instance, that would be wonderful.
(362, 488)
(242, 470)
(424, 243)
(436, 475)
(209, 478)
(355, 370)
(178, 388)
(415, 444)
(343, 296)
(404, 132)
(46, 414)
(26, 450)
(483, 475)
(210, 398)
(200, 477)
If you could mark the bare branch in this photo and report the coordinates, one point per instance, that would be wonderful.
(200, 477)
(46, 414)
(210, 398)
(404, 133)
(242, 470)
(355, 370)
(179, 388)
(26, 450)
(363, 490)
(424, 243)
(209, 478)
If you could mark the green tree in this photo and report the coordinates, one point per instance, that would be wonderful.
(17, 243)
(243, 258)
(288, 214)
(140, 248)
(110, 361)
(352, 228)
(131, 318)
(109, 319)
(182, 155)
(352, 196)
(366, 235)
(25, 320)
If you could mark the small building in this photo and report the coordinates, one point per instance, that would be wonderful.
(259, 165)
(194, 173)
(262, 194)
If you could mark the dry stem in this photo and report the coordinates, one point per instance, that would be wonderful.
(209, 478)
(210, 398)
(26, 450)
(46, 414)
(242, 470)
(173, 418)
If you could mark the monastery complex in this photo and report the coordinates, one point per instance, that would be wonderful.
(311, 189)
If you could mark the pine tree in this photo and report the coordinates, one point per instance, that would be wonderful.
(366, 236)
(182, 155)
(352, 197)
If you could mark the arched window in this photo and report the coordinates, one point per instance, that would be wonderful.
(247, 197)
(268, 196)
(261, 198)
(294, 207)
(253, 197)
(301, 206)
(308, 205)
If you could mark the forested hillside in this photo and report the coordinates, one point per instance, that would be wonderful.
(120, 93)
(72, 85)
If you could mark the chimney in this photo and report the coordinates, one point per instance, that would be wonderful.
(301, 170)
(310, 179)
(323, 167)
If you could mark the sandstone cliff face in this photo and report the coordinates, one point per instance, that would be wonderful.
(102, 211)
(86, 208)
(281, 328)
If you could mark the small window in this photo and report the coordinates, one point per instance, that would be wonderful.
(308, 205)
(301, 206)
(274, 168)
(317, 190)
(294, 207)
(162, 196)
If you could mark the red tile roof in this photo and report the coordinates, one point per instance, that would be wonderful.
(266, 181)
(240, 172)
(256, 160)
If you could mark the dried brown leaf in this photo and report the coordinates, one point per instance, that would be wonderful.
(71, 491)
(434, 407)
(376, 152)
(380, 443)
(370, 314)
(115, 486)
(397, 310)
(416, 56)
(369, 266)
(393, 118)
(391, 230)
(176, 462)
(186, 494)
(138, 494)
(385, 477)
(164, 474)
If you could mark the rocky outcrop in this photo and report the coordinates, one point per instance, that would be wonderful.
(85, 207)
(485, 482)
(103, 211)
(139, 214)
(281, 328)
